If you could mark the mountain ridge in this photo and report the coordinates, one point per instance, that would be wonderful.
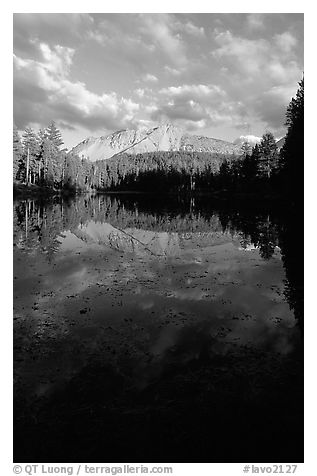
(164, 137)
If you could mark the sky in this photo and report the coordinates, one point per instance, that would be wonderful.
(218, 75)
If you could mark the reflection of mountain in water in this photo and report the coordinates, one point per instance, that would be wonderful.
(130, 239)
(108, 221)
(136, 240)
(158, 227)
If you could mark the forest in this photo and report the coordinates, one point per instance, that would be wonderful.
(40, 160)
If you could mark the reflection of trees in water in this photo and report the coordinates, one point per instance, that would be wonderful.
(40, 224)
(291, 238)
(261, 230)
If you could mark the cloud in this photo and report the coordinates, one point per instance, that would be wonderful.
(196, 106)
(104, 71)
(192, 29)
(51, 94)
(57, 60)
(250, 139)
(150, 78)
(160, 28)
(199, 91)
(258, 57)
(255, 21)
(285, 41)
(185, 110)
(262, 73)
(50, 28)
(139, 92)
(271, 105)
(246, 54)
(172, 71)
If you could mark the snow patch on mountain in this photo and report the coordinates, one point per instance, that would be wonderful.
(164, 137)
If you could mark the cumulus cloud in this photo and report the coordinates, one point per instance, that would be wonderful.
(151, 78)
(196, 105)
(247, 54)
(66, 28)
(255, 21)
(159, 27)
(172, 71)
(139, 92)
(190, 91)
(191, 29)
(271, 105)
(258, 57)
(111, 71)
(52, 94)
(250, 139)
(187, 110)
(262, 72)
(285, 41)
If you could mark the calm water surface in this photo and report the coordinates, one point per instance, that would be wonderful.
(163, 327)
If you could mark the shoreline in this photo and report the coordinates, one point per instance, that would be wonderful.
(22, 191)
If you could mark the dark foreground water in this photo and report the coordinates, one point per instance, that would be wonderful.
(157, 331)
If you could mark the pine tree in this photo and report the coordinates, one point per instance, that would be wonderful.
(246, 148)
(17, 155)
(51, 167)
(30, 154)
(249, 169)
(293, 150)
(268, 159)
(256, 158)
(41, 156)
(54, 135)
(224, 176)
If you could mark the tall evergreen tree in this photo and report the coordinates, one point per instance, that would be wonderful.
(268, 159)
(246, 148)
(293, 150)
(42, 135)
(54, 135)
(30, 154)
(17, 155)
(250, 166)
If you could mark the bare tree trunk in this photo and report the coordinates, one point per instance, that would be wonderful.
(192, 183)
(26, 219)
(192, 205)
(27, 167)
(45, 170)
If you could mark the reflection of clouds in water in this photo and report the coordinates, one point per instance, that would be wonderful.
(249, 247)
(71, 282)
(202, 334)
(186, 294)
(167, 338)
(213, 286)
(146, 305)
(164, 296)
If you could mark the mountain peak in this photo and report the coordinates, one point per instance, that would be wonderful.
(163, 137)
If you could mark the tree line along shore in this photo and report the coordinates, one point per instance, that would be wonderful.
(41, 166)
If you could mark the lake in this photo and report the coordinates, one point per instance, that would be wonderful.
(157, 329)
